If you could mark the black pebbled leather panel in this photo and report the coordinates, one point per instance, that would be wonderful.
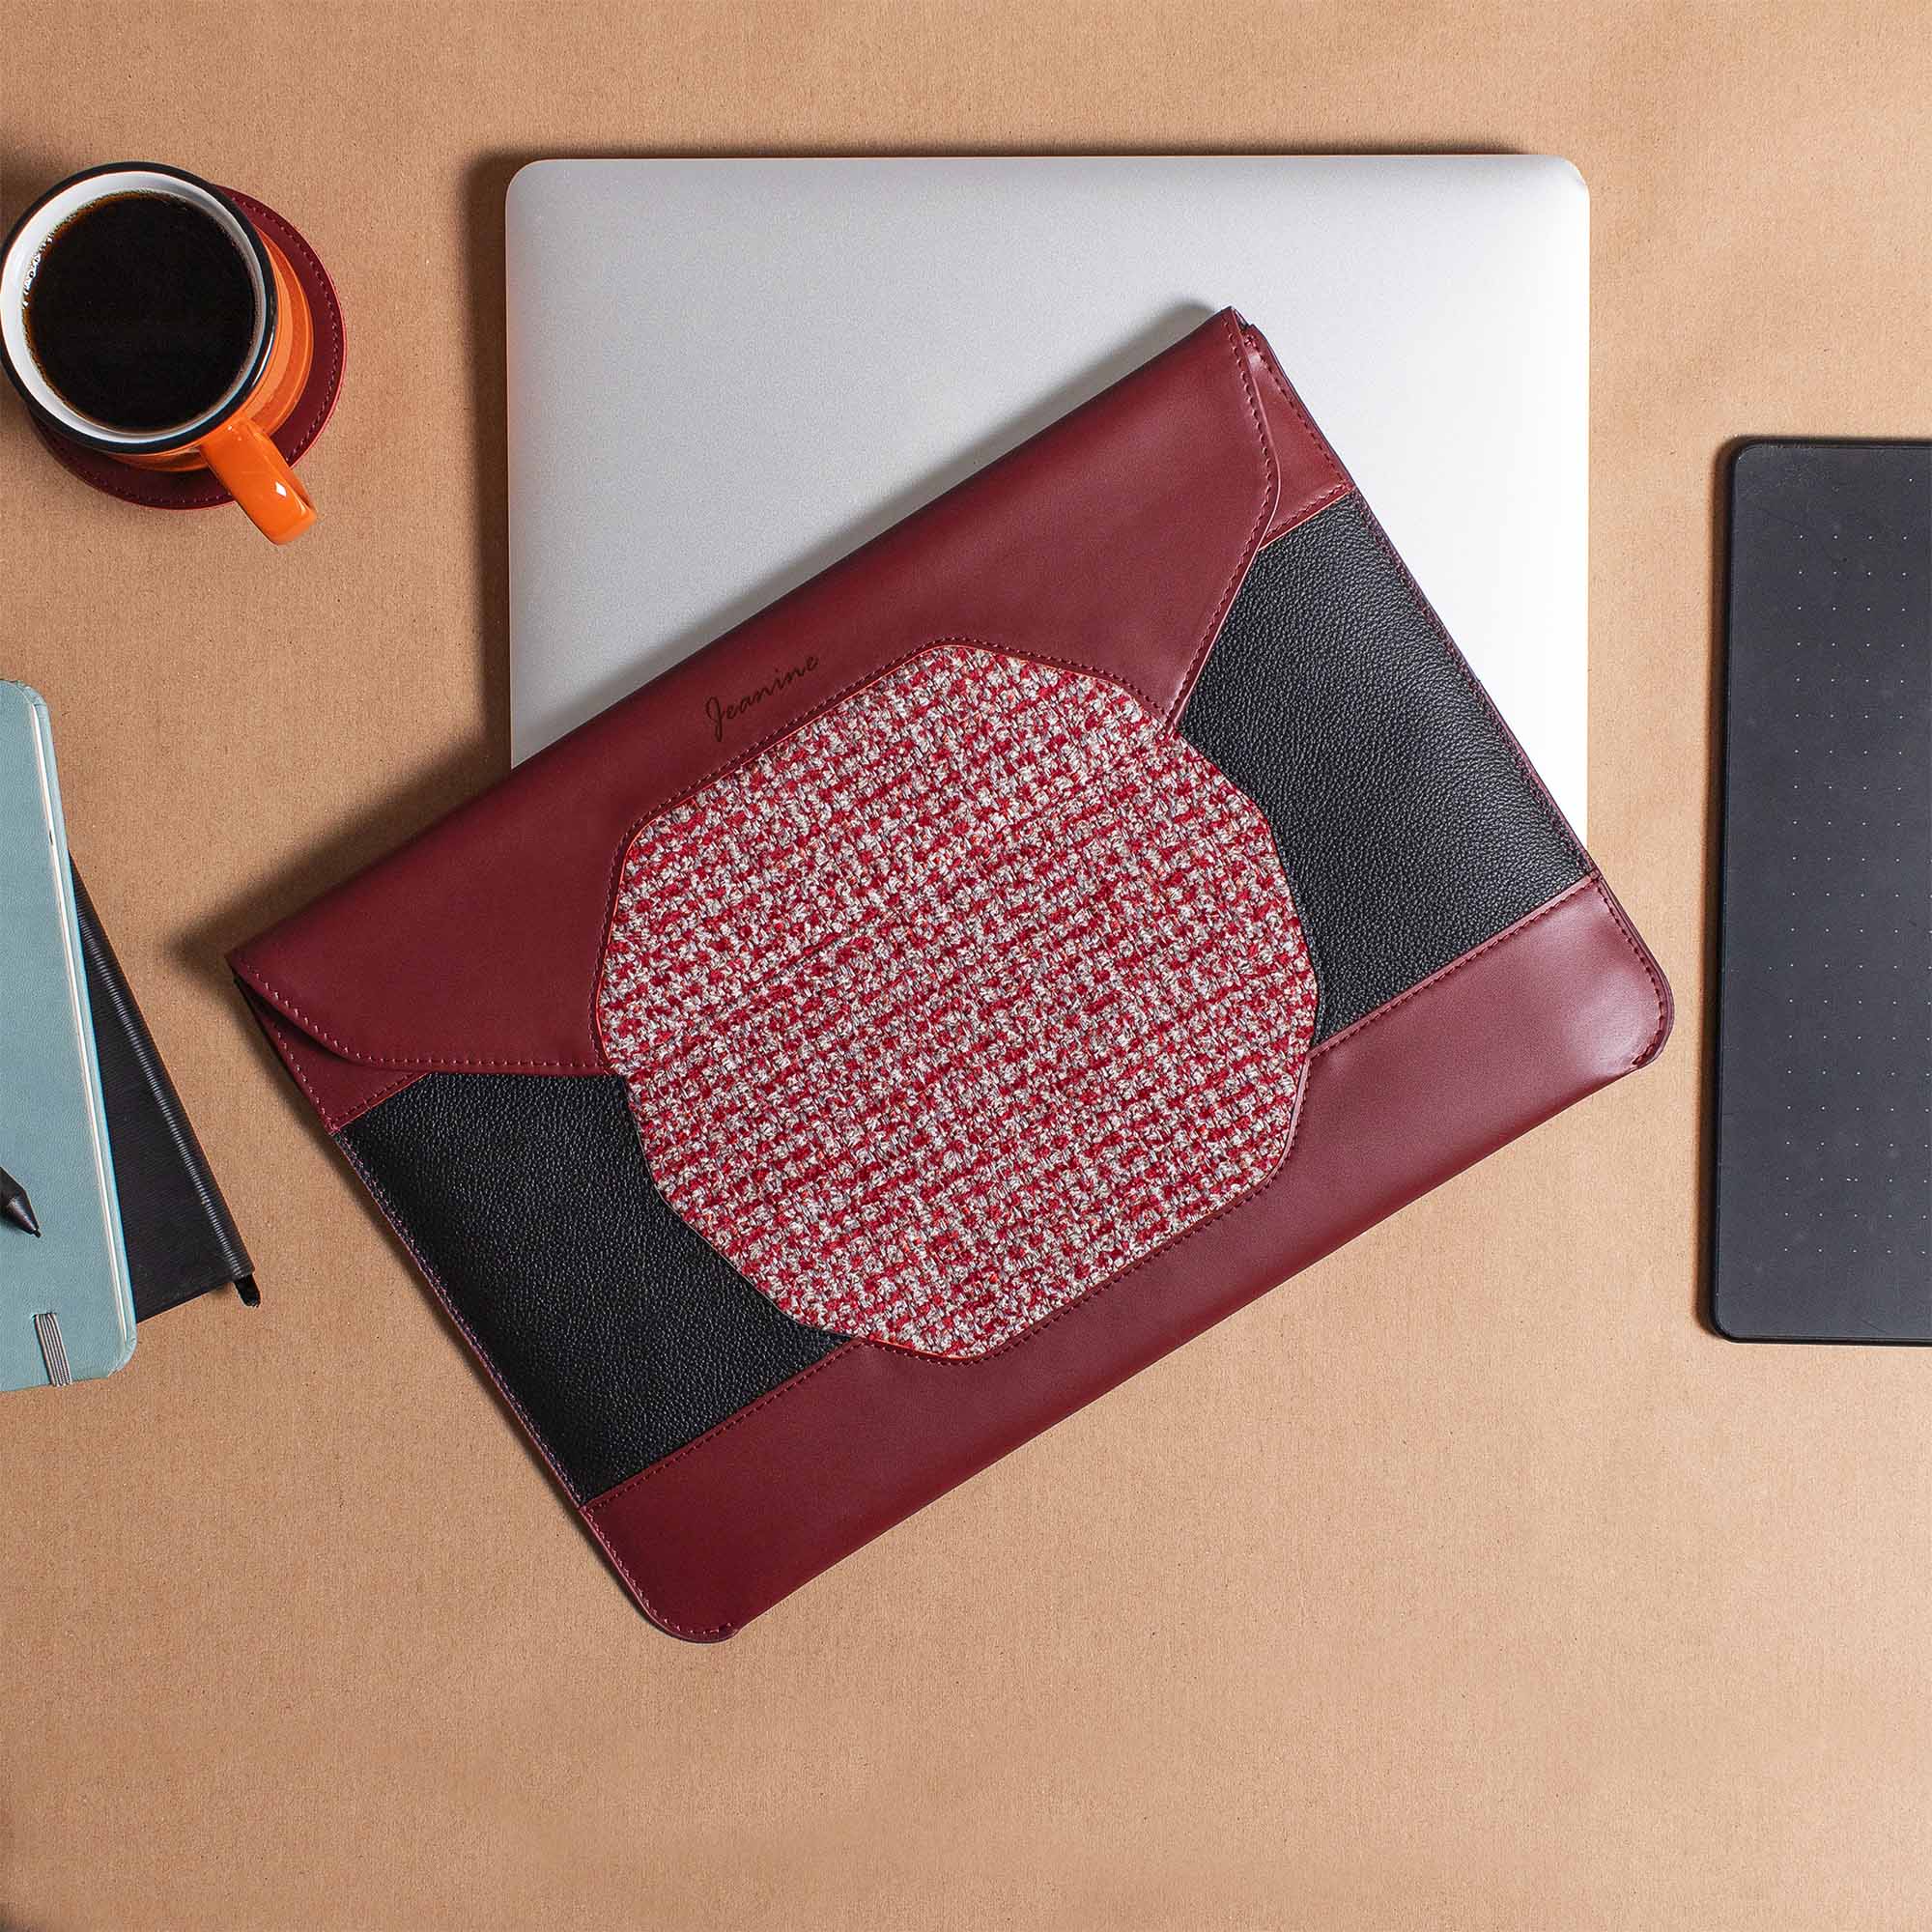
(622, 1334)
(1407, 825)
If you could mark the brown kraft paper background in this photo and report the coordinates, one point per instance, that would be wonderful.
(1466, 1582)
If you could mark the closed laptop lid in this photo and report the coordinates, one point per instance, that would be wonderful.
(726, 374)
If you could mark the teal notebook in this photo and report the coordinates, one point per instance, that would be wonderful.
(67, 1311)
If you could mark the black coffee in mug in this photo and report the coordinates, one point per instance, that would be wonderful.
(141, 312)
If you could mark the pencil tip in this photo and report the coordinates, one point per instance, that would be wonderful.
(19, 1212)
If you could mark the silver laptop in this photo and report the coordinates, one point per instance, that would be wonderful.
(726, 374)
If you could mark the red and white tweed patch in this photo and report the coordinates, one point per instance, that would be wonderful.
(956, 1000)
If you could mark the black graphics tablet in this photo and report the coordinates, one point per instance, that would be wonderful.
(1821, 1221)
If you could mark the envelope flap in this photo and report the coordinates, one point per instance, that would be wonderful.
(1113, 541)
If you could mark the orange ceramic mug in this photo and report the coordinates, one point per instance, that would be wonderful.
(215, 334)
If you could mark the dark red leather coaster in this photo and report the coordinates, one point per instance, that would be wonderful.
(197, 489)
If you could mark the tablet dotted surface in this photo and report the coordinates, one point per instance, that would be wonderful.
(1824, 1155)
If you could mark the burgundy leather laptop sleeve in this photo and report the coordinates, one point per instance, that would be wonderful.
(1052, 926)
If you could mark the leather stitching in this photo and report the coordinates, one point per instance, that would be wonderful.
(1334, 494)
(294, 1067)
(1641, 952)
(393, 1216)
(374, 1101)
(1427, 613)
(590, 1510)
(292, 1064)
(1294, 403)
(698, 1633)
(285, 1003)
(1343, 482)
(1456, 965)
(1270, 497)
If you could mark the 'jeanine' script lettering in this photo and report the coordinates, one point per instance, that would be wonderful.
(721, 711)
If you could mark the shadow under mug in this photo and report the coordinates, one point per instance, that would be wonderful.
(232, 438)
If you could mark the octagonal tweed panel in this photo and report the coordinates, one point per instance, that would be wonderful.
(956, 1000)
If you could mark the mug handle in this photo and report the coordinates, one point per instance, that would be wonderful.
(255, 473)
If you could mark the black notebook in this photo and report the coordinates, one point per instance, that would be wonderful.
(1823, 1164)
(181, 1239)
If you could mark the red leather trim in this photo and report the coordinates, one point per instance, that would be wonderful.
(337, 1089)
(1114, 541)
(1518, 1030)
(1312, 475)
